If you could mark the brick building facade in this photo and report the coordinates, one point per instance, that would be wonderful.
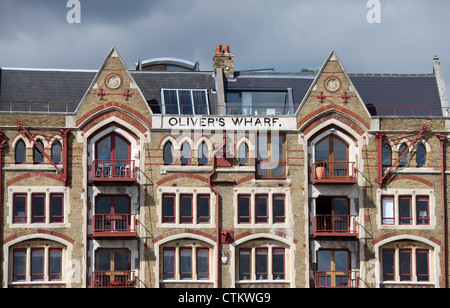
(165, 176)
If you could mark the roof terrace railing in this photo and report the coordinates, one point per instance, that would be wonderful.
(409, 111)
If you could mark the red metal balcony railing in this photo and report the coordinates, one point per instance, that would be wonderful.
(114, 279)
(334, 172)
(271, 170)
(337, 279)
(335, 225)
(114, 225)
(113, 170)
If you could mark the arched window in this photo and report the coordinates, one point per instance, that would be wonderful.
(387, 155)
(332, 149)
(185, 154)
(203, 154)
(20, 152)
(113, 147)
(421, 155)
(243, 154)
(168, 153)
(56, 152)
(404, 160)
(38, 156)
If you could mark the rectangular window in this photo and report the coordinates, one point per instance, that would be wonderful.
(262, 215)
(19, 264)
(37, 264)
(203, 209)
(423, 268)
(20, 209)
(244, 209)
(169, 263)
(405, 265)
(388, 265)
(423, 214)
(278, 264)
(405, 210)
(55, 265)
(388, 211)
(38, 208)
(271, 156)
(168, 208)
(259, 102)
(245, 264)
(56, 208)
(279, 209)
(202, 263)
(185, 101)
(186, 209)
(262, 262)
(186, 263)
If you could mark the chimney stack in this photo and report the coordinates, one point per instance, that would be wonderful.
(224, 60)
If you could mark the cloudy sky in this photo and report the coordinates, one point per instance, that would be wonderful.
(35, 33)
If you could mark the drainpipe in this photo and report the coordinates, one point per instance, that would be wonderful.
(444, 210)
(380, 137)
(217, 212)
(2, 144)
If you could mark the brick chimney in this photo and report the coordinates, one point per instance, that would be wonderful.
(224, 60)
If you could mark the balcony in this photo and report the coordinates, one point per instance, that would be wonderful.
(330, 172)
(115, 279)
(337, 279)
(271, 170)
(335, 225)
(113, 170)
(115, 225)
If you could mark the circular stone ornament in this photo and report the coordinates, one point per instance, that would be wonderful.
(113, 81)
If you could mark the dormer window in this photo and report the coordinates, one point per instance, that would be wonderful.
(185, 101)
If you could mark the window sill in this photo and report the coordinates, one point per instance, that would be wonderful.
(177, 168)
(39, 167)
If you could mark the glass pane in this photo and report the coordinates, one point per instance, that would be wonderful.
(277, 148)
(38, 208)
(244, 209)
(244, 264)
(20, 206)
(423, 217)
(261, 264)
(323, 150)
(55, 265)
(405, 265)
(263, 146)
(171, 102)
(422, 266)
(56, 153)
(203, 209)
(103, 205)
(324, 260)
(19, 265)
(234, 104)
(387, 155)
(185, 154)
(278, 264)
(186, 209)
(261, 209)
(38, 156)
(340, 206)
(104, 149)
(341, 261)
(340, 150)
(421, 155)
(20, 152)
(103, 260)
(405, 211)
(243, 154)
(388, 211)
(169, 209)
(185, 102)
(186, 264)
(168, 154)
(388, 265)
(200, 102)
(278, 209)
(56, 204)
(203, 154)
(37, 265)
(169, 264)
(203, 264)
(121, 260)
(121, 205)
(121, 149)
(404, 160)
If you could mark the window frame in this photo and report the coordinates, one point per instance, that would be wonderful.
(168, 153)
(383, 217)
(203, 196)
(191, 205)
(15, 217)
(241, 217)
(44, 210)
(22, 151)
(37, 154)
(164, 216)
(179, 106)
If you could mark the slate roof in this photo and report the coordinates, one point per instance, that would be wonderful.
(397, 94)
(25, 90)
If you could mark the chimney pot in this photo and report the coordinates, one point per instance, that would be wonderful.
(218, 49)
(227, 49)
